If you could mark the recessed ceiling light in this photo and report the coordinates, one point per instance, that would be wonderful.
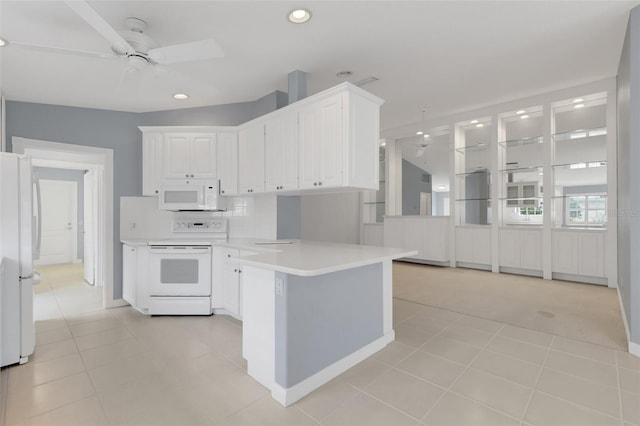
(480, 125)
(426, 135)
(575, 101)
(419, 132)
(524, 116)
(299, 16)
(3, 42)
(181, 96)
(383, 143)
(344, 74)
(441, 187)
(579, 106)
(520, 112)
(473, 121)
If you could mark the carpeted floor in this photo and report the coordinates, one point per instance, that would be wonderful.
(584, 312)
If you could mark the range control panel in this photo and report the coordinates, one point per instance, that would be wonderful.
(207, 225)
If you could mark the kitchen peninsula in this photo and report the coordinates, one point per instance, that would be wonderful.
(312, 310)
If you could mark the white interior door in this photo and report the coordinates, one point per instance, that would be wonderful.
(89, 227)
(425, 204)
(59, 200)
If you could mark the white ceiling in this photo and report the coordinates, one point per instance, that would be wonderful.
(449, 56)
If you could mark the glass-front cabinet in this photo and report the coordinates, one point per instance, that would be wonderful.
(580, 162)
(520, 160)
(373, 201)
(473, 172)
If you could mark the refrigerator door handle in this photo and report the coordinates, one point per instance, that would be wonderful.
(36, 253)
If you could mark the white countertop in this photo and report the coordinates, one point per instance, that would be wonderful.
(300, 257)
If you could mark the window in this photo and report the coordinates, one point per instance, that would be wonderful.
(586, 210)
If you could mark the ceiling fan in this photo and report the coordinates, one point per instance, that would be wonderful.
(137, 48)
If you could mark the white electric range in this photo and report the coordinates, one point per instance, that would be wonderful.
(180, 267)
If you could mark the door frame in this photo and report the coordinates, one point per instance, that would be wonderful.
(79, 156)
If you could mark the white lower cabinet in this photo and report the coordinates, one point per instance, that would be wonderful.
(428, 235)
(579, 252)
(521, 248)
(227, 281)
(134, 276)
(473, 245)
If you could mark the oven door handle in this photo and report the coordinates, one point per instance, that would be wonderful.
(179, 249)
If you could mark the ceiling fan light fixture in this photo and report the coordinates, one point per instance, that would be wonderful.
(299, 16)
(180, 96)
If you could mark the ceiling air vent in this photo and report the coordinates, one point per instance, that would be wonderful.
(367, 80)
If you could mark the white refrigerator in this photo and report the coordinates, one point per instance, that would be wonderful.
(19, 245)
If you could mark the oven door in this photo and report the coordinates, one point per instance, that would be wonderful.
(180, 271)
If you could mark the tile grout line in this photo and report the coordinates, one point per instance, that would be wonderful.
(449, 388)
(535, 384)
(615, 356)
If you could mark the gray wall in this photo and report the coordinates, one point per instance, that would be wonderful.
(119, 131)
(412, 186)
(77, 176)
(629, 176)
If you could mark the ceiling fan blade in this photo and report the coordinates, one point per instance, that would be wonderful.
(63, 50)
(92, 18)
(187, 52)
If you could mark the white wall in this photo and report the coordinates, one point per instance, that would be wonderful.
(330, 217)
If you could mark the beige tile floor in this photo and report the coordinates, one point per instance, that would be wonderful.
(96, 367)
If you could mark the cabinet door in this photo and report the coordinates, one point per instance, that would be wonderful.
(227, 159)
(435, 237)
(591, 255)
(464, 245)
(281, 153)
(251, 159)
(321, 135)
(510, 245)
(152, 162)
(129, 273)
(531, 250)
(202, 156)
(231, 282)
(413, 236)
(177, 155)
(482, 246)
(565, 259)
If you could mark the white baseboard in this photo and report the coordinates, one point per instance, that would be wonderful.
(116, 303)
(77, 261)
(634, 348)
(290, 395)
(624, 317)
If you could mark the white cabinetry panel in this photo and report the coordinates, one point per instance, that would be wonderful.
(473, 245)
(129, 273)
(189, 155)
(414, 236)
(281, 153)
(227, 162)
(393, 232)
(579, 252)
(152, 160)
(251, 159)
(521, 248)
(428, 235)
(321, 136)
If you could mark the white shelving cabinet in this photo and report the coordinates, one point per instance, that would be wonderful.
(251, 161)
(281, 152)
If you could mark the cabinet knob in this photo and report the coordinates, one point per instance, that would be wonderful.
(191, 175)
(235, 270)
(228, 255)
(222, 192)
(187, 175)
(239, 271)
(315, 183)
(156, 191)
(319, 183)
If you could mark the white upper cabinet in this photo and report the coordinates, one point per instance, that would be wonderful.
(321, 143)
(189, 155)
(152, 159)
(327, 140)
(281, 152)
(227, 160)
(251, 159)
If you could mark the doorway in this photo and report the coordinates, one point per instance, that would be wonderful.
(100, 162)
(59, 222)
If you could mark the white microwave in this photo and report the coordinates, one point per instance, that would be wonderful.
(190, 194)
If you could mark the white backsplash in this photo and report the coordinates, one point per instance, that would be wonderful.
(249, 217)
